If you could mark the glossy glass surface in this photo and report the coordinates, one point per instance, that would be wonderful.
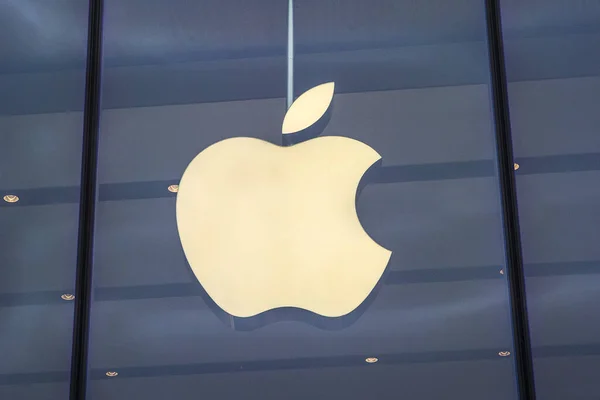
(412, 83)
(42, 65)
(553, 65)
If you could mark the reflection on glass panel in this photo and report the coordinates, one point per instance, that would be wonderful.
(553, 66)
(239, 267)
(42, 77)
(412, 83)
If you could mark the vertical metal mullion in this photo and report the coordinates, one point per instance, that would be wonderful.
(515, 273)
(87, 203)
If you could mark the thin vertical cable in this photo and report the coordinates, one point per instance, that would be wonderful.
(87, 203)
(290, 54)
(285, 139)
(515, 274)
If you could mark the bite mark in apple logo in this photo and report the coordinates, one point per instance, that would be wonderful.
(272, 233)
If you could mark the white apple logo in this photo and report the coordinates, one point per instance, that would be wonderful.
(265, 226)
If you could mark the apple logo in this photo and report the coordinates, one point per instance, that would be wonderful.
(266, 227)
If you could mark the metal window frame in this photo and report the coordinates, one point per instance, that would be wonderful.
(510, 214)
(87, 203)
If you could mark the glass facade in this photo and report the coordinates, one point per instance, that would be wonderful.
(554, 96)
(42, 87)
(414, 82)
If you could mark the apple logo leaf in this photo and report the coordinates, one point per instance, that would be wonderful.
(308, 108)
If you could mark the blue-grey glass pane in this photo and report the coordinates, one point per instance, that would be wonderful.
(42, 79)
(412, 80)
(412, 83)
(553, 66)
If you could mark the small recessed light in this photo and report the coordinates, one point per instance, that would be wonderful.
(112, 373)
(67, 296)
(11, 198)
(174, 188)
(501, 272)
(371, 360)
(516, 166)
(504, 353)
